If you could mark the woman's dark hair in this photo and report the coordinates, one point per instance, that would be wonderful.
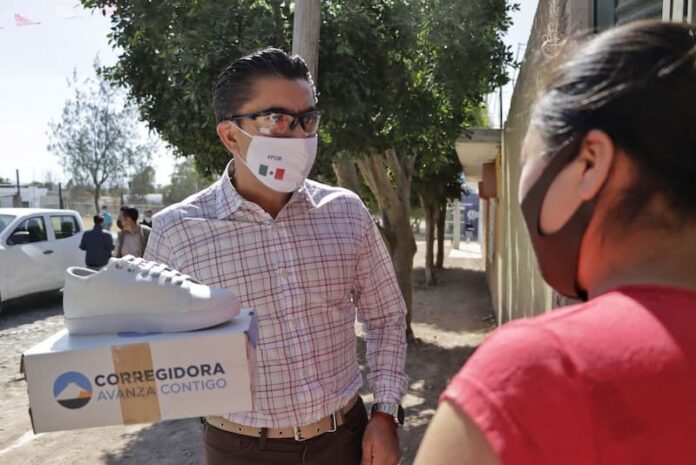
(235, 84)
(637, 83)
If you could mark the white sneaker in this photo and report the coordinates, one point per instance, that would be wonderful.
(132, 294)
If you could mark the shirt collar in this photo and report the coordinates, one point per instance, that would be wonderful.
(305, 193)
(228, 200)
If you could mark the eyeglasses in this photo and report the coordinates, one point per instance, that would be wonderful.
(272, 122)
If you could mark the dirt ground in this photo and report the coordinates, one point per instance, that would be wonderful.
(450, 320)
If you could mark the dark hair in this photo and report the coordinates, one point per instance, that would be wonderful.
(98, 219)
(234, 86)
(637, 83)
(130, 212)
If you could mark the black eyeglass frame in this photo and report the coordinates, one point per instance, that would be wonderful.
(296, 117)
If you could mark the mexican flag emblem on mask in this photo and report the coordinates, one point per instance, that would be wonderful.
(278, 174)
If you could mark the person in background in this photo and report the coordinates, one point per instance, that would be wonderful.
(108, 219)
(132, 237)
(97, 244)
(147, 218)
(608, 193)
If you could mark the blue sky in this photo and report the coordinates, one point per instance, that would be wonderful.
(516, 38)
(35, 62)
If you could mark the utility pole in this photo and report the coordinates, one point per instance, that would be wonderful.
(500, 98)
(60, 196)
(305, 33)
(17, 198)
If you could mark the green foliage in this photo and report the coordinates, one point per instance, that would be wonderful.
(399, 74)
(172, 54)
(406, 74)
(185, 181)
(439, 179)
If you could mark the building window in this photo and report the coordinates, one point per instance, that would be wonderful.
(609, 13)
(678, 10)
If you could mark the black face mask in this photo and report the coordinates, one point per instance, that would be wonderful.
(119, 224)
(558, 253)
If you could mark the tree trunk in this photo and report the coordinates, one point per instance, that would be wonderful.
(305, 33)
(346, 173)
(440, 260)
(97, 196)
(393, 195)
(430, 215)
(388, 235)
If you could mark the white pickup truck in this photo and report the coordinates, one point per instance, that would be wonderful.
(36, 246)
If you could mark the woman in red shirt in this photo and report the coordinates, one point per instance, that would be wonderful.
(608, 192)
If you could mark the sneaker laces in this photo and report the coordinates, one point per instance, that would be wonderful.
(154, 269)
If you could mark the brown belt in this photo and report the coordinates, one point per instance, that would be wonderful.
(327, 424)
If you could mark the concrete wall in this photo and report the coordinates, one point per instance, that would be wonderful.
(516, 284)
(517, 287)
(32, 196)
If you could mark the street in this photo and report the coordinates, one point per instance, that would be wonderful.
(27, 322)
(450, 320)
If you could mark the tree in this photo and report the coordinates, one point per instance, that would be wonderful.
(173, 53)
(305, 33)
(402, 80)
(399, 82)
(185, 181)
(142, 182)
(96, 138)
(439, 180)
(435, 188)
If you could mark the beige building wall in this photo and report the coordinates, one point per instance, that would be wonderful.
(516, 284)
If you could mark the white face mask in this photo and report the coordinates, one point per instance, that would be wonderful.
(280, 163)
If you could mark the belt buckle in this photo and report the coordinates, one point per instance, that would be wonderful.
(333, 427)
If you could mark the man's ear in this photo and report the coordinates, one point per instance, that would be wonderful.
(228, 132)
(597, 154)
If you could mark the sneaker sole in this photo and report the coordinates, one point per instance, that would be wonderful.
(144, 323)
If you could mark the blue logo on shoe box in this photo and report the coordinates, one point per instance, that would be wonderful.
(72, 390)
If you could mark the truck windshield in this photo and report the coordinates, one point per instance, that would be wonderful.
(5, 220)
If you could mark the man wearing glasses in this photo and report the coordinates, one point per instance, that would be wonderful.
(306, 256)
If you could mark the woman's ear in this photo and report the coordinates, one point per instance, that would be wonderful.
(228, 134)
(597, 154)
(578, 182)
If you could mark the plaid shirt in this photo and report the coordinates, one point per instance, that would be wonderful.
(305, 273)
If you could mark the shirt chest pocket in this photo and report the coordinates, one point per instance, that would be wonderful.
(328, 270)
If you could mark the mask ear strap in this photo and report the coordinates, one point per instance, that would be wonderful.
(243, 131)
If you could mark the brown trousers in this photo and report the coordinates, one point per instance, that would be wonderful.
(342, 447)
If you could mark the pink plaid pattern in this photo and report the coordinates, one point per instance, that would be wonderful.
(306, 273)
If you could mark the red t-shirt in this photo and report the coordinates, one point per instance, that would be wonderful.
(611, 381)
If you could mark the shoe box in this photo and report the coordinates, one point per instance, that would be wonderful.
(110, 379)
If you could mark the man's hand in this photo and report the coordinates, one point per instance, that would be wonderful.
(380, 444)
